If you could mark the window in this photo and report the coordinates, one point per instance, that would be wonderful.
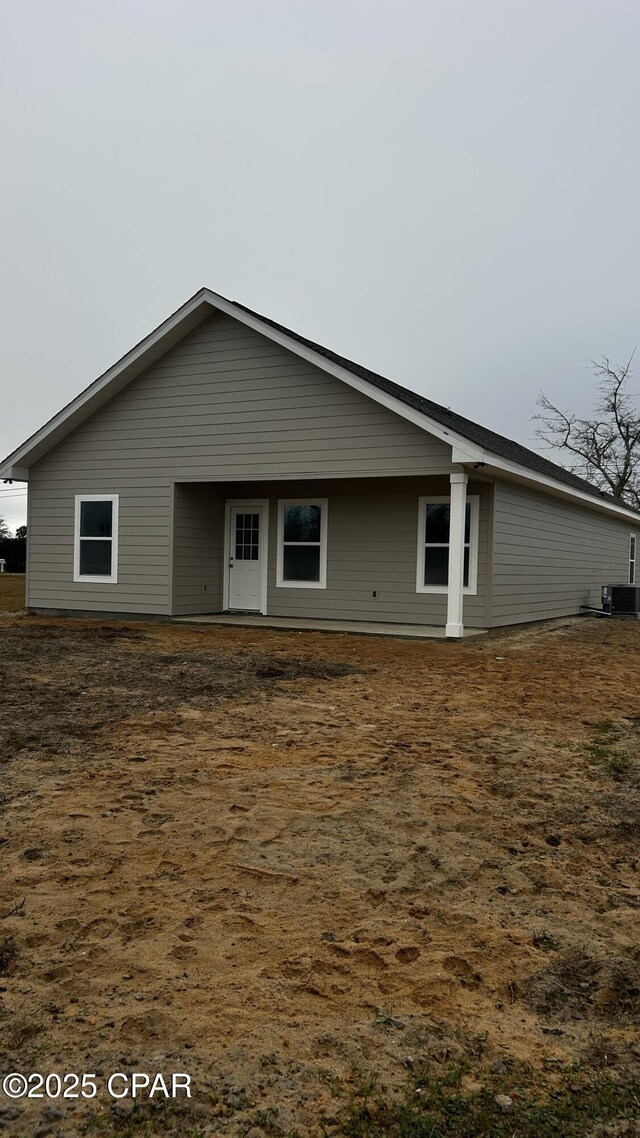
(433, 545)
(302, 544)
(96, 538)
(632, 559)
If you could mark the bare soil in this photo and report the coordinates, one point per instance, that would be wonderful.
(272, 859)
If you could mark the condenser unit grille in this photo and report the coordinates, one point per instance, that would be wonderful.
(625, 599)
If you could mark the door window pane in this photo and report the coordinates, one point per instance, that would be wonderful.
(247, 543)
(96, 519)
(301, 563)
(95, 558)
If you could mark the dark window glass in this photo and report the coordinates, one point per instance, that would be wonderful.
(96, 519)
(301, 563)
(302, 523)
(437, 523)
(437, 527)
(95, 558)
(436, 565)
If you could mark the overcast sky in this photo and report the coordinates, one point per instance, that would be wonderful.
(444, 190)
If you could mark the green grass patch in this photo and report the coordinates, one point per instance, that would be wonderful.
(437, 1108)
(605, 750)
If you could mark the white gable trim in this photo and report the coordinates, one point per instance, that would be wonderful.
(513, 472)
(169, 332)
(193, 313)
(104, 388)
(468, 451)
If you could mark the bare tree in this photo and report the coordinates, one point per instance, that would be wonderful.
(606, 448)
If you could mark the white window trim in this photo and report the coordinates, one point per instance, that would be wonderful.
(83, 578)
(308, 501)
(473, 501)
(633, 560)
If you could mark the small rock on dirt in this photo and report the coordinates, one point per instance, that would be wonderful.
(504, 1102)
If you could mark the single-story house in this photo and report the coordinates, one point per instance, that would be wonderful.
(227, 464)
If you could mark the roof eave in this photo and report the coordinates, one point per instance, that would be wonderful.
(465, 450)
(189, 315)
(497, 466)
(14, 473)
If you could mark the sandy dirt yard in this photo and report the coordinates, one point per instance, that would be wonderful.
(283, 862)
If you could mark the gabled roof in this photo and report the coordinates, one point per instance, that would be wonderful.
(489, 440)
(470, 441)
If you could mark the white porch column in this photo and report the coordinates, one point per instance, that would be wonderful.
(457, 513)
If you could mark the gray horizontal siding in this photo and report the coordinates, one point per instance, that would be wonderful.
(224, 404)
(550, 557)
(143, 561)
(372, 544)
(198, 546)
(283, 416)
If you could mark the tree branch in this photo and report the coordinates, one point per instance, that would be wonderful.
(606, 448)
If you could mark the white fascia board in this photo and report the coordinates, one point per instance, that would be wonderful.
(104, 388)
(142, 355)
(190, 314)
(466, 450)
(498, 466)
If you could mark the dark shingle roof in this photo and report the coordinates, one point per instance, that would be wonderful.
(474, 432)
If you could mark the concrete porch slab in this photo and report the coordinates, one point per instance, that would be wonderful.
(300, 624)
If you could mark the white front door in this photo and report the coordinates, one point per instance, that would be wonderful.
(247, 556)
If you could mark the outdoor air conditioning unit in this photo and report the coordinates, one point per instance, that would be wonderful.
(621, 600)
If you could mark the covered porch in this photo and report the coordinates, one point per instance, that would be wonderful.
(400, 555)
